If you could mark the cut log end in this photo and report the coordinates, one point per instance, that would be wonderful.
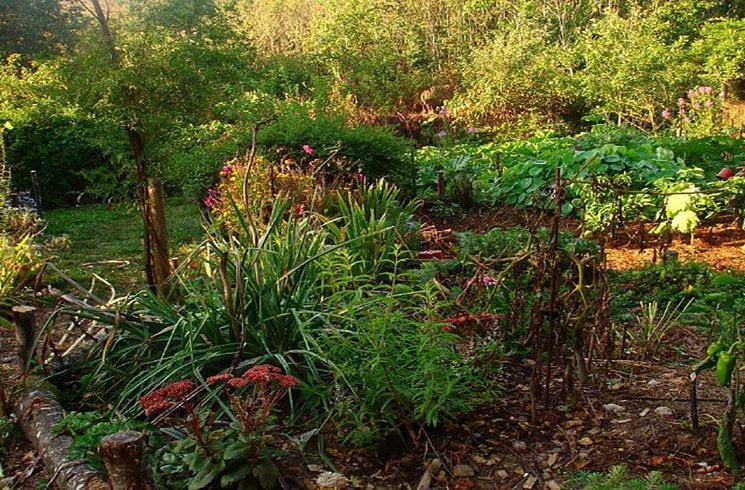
(125, 457)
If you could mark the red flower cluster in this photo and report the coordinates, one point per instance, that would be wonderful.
(163, 398)
(218, 378)
(260, 375)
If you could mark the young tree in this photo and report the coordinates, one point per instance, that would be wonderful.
(150, 68)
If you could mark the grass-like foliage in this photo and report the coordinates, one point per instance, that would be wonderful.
(326, 299)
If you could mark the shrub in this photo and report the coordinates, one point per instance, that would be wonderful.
(376, 150)
(396, 366)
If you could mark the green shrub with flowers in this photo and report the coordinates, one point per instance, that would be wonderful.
(204, 452)
(699, 114)
(300, 291)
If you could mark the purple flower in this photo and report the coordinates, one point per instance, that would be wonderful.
(709, 103)
(307, 149)
(444, 111)
(471, 130)
(442, 133)
(665, 114)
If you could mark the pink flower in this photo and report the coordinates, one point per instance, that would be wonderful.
(228, 169)
(442, 133)
(697, 106)
(687, 119)
(665, 114)
(706, 90)
(488, 280)
(444, 111)
(307, 149)
(691, 94)
(290, 161)
(360, 176)
(471, 130)
(709, 103)
(681, 101)
(683, 112)
(212, 199)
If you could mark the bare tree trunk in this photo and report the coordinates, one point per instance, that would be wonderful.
(154, 248)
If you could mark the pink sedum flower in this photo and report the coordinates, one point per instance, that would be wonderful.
(308, 149)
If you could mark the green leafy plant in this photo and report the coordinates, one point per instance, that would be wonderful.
(618, 478)
(396, 366)
(240, 454)
(88, 428)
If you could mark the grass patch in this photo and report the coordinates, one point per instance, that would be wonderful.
(100, 233)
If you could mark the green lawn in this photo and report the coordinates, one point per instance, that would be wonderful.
(100, 233)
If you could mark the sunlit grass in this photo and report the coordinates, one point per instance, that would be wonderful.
(110, 239)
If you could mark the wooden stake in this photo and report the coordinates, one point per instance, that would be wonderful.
(694, 406)
(125, 457)
(441, 184)
(24, 319)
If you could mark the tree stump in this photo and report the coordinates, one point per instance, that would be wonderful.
(125, 457)
(24, 319)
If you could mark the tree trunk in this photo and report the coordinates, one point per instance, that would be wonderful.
(125, 456)
(159, 236)
(152, 209)
(38, 413)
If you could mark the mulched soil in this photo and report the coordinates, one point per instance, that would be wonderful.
(500, 447)
(718, 243)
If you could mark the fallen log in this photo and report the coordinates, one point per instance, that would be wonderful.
(38, 412)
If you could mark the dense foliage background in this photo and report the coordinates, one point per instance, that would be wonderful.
(201, 73)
